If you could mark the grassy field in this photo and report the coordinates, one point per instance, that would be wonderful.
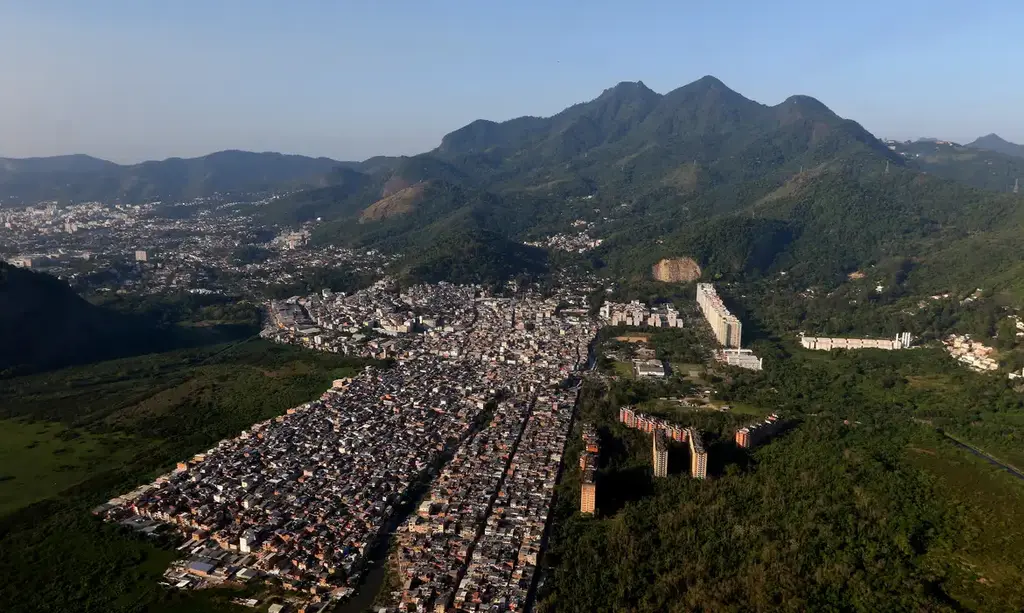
(73, 438)
(41, 459)
(624, 370)
(987, 559)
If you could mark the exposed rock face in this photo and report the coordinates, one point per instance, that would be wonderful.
(676, 270)
(398, 203)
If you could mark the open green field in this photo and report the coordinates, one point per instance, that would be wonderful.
(988, 552)
(624, 370)
(76, 437)
(41, 459)
(743, 408)
(683, 369)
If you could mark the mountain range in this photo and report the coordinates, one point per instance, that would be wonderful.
(744, 188)
(85, 178)
(701, 171)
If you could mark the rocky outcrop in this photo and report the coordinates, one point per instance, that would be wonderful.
(676, 270)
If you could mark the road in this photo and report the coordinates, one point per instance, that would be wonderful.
(981, 454)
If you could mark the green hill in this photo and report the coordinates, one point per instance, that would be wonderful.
(46, 325)
(994, 142)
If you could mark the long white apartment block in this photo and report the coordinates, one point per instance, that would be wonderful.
(824, 343)
(727, 328)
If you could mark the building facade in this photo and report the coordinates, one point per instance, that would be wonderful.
(757, 433)
(659, 454)
(826, 343)
(588, 494)
(698, 455)
(727, 328)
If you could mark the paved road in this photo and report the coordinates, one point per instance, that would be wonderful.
(981, 454)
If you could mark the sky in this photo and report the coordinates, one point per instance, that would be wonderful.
(129, 80)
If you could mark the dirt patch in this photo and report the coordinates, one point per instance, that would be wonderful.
(633, 338)
(398, 203)
(919, 450)
(676, 270)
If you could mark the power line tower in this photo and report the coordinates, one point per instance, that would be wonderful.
(887, 167)
(1016, 186)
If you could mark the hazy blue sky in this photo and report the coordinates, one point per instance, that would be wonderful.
(138, 79)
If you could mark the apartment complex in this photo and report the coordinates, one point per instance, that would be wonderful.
(825, 343)
(659, 454)
(632, 418)
(757, 433)
(660, 430)
(698, 455)
(725, 325)
(637, 313)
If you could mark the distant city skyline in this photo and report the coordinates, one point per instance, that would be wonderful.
(128, 81)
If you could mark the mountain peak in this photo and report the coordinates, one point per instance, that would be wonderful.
(628, 87)
(994, 142)
(709, 81)
(804, 107)
(708, 87)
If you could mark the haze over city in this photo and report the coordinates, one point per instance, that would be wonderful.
(129, 81)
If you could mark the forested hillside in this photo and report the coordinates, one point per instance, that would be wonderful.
(44, 324)
(746, 189)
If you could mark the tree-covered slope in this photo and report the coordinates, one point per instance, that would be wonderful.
(44, 324)
(993, 142)
(970, 165)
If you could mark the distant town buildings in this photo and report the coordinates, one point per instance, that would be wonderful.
(824, 343)
(659, 453)
(21, 262)
(575, 243)
(725, 325)
(757, 433)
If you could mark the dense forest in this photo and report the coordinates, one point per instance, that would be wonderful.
(862, 506)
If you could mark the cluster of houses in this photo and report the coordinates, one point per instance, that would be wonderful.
(580, 242)
(972, 354)
(305, 496)
(474, 541)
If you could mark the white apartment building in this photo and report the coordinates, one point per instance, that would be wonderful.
(727, 328)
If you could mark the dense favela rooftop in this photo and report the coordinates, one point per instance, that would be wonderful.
(304, 497)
